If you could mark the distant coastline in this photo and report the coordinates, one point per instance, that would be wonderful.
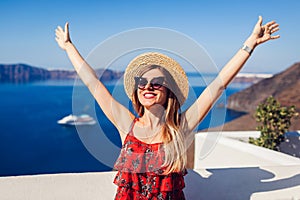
(24, 73)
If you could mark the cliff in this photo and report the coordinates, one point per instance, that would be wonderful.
(22, 73)
(284, 86)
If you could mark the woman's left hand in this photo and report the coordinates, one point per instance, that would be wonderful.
(263, 33)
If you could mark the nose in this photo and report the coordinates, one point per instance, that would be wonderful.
(149, 86)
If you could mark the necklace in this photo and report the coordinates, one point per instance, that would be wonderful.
(146, 135)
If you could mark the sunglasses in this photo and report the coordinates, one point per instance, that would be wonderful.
(155, 83)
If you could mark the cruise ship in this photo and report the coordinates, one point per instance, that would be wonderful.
(73, 120)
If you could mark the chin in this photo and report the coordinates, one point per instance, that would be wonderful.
(148, 104)
(153, 105)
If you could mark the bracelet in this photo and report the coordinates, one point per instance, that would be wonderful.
(246, 48)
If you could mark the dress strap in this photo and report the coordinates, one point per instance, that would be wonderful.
(132, 125)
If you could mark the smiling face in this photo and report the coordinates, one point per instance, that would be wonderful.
(150, 92)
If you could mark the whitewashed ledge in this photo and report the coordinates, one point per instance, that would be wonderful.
(225, 168)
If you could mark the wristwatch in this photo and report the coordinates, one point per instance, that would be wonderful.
(248, 49)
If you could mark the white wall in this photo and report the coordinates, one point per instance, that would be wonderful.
(224, 169)
(230, 169)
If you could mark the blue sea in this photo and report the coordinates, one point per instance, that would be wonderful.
(31, 141)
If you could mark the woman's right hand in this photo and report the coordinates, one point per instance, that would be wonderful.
(62, 36)
(264, 33)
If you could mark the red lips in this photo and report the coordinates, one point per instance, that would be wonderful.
(149, 95)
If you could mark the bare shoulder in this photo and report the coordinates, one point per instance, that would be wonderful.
(125, 125)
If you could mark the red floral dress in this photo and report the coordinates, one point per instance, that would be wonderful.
(140, 175)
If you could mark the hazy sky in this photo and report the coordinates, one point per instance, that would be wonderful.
(220, 27)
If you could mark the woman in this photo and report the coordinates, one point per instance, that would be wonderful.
(152, 161)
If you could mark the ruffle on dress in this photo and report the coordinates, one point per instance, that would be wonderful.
(150, 182)
(139, 157)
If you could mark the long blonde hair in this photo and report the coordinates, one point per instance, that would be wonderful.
(174, 144)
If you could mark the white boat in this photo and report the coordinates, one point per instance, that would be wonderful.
(73, 120)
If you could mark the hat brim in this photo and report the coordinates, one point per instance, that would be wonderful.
(138, 64)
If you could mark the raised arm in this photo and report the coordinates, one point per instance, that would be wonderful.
(261, 33)
(108, 104)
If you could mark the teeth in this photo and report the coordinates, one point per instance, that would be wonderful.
(149, 95)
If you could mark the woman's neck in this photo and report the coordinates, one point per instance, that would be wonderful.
(154, 116)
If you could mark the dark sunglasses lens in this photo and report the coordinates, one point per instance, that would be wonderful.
(141, 82)
(157, 82)
(156, 86)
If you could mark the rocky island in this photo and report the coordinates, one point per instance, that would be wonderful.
(23, 73)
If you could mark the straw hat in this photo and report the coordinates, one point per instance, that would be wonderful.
(180, 87)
